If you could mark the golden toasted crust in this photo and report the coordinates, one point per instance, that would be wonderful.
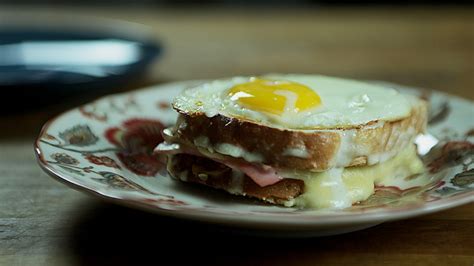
(324, 148)
(195, 169)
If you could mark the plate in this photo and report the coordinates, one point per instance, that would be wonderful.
(104, 148)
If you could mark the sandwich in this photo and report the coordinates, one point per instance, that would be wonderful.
(307, 141)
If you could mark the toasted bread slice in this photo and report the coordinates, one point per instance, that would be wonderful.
(313, 150)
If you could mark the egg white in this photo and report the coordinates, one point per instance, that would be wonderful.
(345, 103)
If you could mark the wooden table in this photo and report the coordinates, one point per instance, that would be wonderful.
(43, 222)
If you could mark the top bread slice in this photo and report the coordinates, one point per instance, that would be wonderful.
(309, 150)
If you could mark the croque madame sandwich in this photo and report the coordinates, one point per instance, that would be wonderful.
(294, 140)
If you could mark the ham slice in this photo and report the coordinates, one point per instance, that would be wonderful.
(263, 175)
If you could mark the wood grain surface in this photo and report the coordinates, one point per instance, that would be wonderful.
(43, 222)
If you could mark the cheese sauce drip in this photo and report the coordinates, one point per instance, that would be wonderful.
(340, 188)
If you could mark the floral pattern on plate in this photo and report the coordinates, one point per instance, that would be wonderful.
(105, 148)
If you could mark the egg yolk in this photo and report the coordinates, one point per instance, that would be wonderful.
(274, 97)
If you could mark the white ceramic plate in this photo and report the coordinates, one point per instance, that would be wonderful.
(104, 148)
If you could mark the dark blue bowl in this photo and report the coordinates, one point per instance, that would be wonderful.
(45, 65)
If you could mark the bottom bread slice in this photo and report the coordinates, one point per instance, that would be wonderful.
(196, 169)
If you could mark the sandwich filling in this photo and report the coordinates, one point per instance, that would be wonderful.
(334, 188)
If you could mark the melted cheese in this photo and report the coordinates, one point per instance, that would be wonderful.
(237, 152)
(204, 146)
(340, 188)
(297, 152)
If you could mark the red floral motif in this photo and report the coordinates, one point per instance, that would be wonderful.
(388, 196)
(48, 136)
(137, 138)
(451, 154)
(90, 111)
(101, 160)
(163, 105)
(382, 196)
(470, 133)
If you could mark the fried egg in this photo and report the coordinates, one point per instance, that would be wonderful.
(297, 101)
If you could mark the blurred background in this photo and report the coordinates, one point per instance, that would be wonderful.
(112, 46)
